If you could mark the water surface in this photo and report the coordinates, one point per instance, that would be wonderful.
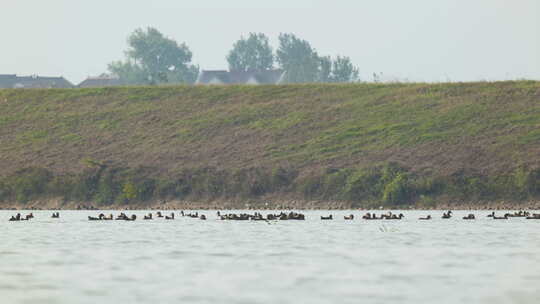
(73, 260)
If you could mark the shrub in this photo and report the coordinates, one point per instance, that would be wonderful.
(397, 191)
(363, 184)
(30, 183)
(310, 186)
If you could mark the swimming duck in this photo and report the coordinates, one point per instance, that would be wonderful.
(326, 217)
(171, 217)
(447, 215)
(505, 217)
(469, 217)
(350, 217)
(99, 218)
(56, 215)
(203, 217)
(132, 218)
(395, 217)
(121, 216)
(296, 216)
(425, 218)
(148, 217)
(374, 217)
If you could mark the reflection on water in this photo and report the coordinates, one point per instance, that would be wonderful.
(73, 260)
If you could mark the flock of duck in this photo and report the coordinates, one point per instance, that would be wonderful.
(281, 216)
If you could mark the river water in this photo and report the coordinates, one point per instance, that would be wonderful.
(73, 260)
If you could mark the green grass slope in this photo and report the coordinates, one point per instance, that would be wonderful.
(436, 130)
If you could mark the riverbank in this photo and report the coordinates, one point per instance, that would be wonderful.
(333, 146)
(59, 204)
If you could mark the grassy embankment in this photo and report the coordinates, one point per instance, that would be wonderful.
(393, 144)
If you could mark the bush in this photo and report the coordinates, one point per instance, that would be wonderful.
(363, 184)
(390, 184)
(282, 179)
(397, 191)
(5, 191)
(310, 186)
(107, 188)
(527, 182)
(30, 183)
(334, 184)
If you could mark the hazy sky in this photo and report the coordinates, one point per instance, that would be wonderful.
(418, 40)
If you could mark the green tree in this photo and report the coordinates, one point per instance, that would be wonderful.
(325, 69)
(153, 58)
(340, 69)
(302, 63)
(129, 72)
(343, 70)
(299, 60)
(251, 54)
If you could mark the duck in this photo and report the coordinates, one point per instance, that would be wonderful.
(203, 217)
(447, 215)
(148, 217)
(132, 218)
(505, 217)
(395, 217)
(17, 217)
(326, 217)
(99, 218)
(425, 218)
(469, 217)
(158, 214)
(122, 216)
(492, 214)
(171, 217)
(350, 217)
(297, 216)
(374, 217)
(56, 215)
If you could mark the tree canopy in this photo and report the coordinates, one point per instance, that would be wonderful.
(339, 69)
(251, 54)
(299, 60)
(302, 63)
(153, 58)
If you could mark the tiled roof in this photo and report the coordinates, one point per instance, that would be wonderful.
(14, 81)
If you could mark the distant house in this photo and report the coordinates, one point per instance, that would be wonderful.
(33, 82)
(240, 77)
(103, 80)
